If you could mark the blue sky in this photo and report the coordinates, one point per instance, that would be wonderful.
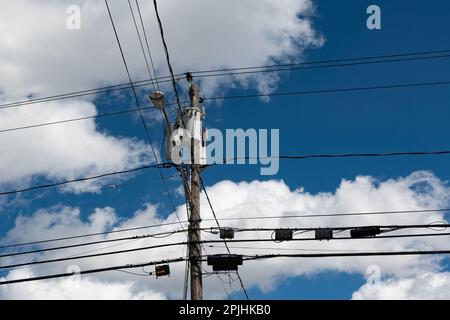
(412, 119)
(379, 121)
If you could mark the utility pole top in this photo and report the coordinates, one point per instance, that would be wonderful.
(194, 90)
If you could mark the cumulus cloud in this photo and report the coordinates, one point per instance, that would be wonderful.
(420, 190)
(66, 221)
(77, 289)
(427, 286)
(65, 151)
(40, 55)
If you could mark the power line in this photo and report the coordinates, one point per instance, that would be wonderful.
(150, 75)
(147, 44)
(171, 76)
(89, 271)
(166, 51)
(147, 132)
(291, 249)
(165, 165)
(343, 155)
(295, 93)
(243, 218)
(308, 66)
(101, 115)
(168, 165)
(224, 241)
(391, 236)
(246, 258)
(77, 257)
(30, 263)
(140, 42)
(295, 229)
(347, 254)
(57, 184)
(164, 79)
(141, 237)
(131, 83)
(136, 274)
(81, 93)
(211, 230)
(276, 94)
(174, 85)
(386, 56)
(88, 235)
(331, 215)
(228, 219)
(186, 276)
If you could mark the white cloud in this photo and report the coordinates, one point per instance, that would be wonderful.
(420, 190)
(65, 151)
(76, 288)
(40, 55)
(427, 286)
(60, 222)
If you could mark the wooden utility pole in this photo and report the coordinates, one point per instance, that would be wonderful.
(195, 249)
(191, 119)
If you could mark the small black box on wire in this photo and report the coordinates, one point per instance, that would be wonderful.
(163, 270)
(324, 234)
(225, 262)
(283, 234)
(226, 233)
(365, 232)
